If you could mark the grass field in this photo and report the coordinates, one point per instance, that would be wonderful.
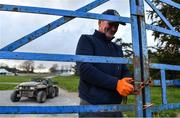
(71, 84)
(12, 79)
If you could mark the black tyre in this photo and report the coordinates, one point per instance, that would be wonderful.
(56, 91)
(41, 96)
(51, 92)
(15, 97)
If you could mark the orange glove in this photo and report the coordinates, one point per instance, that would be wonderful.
(124, 87)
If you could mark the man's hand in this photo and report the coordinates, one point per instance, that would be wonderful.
(124, 86)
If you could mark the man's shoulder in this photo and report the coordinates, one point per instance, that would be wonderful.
(86, 37)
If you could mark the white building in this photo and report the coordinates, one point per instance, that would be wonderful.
(5, 72)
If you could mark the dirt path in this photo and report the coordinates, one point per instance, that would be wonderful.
(64, 98)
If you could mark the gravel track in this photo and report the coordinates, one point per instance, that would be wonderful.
(64, 98)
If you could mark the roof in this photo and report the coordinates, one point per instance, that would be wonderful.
(2, 70)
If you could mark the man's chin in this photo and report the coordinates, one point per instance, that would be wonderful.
(110, 36)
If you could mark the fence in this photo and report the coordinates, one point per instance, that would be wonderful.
(140, 59)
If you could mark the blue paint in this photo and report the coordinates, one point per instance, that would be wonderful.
(62, 109)
(168, 83)
(58, 12)
(136, 58)
(165, 66)
(62, 57)
(163, 84)
(160, 15)
(162, 30)
(164, 107)
(140, 60)
(170, 2)
(144, 58)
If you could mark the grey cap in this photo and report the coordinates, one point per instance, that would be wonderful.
(114, 13)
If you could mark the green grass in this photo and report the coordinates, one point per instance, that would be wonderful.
(7, 86)
(173, 96)
(70, 83)
(12, 79)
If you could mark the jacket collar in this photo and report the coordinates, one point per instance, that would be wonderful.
(102, 36)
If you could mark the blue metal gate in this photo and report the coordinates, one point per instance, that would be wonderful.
(140, 59)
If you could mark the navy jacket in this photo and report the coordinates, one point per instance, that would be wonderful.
(98, 80)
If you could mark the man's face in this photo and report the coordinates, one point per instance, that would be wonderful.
(108, 28)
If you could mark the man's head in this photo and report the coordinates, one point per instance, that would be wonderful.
(109, 28)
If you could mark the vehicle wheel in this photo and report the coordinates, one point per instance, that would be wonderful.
(14, 96)
(56, 91)
(51, 92)
(41, 96)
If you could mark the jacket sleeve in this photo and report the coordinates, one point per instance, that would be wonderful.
(88, 72)
(125, 71)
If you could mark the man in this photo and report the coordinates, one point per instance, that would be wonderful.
(102, 83)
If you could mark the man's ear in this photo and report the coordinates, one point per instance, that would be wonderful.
(99, 22)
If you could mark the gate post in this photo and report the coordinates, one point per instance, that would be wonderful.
(140, 59)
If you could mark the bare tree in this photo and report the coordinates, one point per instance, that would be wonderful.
(54, 68)
(3, 65)
(27, 66)
(40, 67)
(75, 69)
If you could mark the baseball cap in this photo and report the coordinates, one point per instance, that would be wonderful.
(114, 13)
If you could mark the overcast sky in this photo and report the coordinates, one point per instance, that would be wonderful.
(62, 40)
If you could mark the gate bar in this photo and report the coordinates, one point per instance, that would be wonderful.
(61, 57)
(163, 87)
(157, 108)
(162, 30)
(170, 2)
(63, 109)
(60, 12)
(49, 27)
(160, 15)
(74, 58)
(136, 56)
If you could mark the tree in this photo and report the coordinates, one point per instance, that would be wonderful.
(75, 70)
(54, 68)
(127, 47)
(3, 65)
(168, 46)
(27, 66)
(40, 67)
